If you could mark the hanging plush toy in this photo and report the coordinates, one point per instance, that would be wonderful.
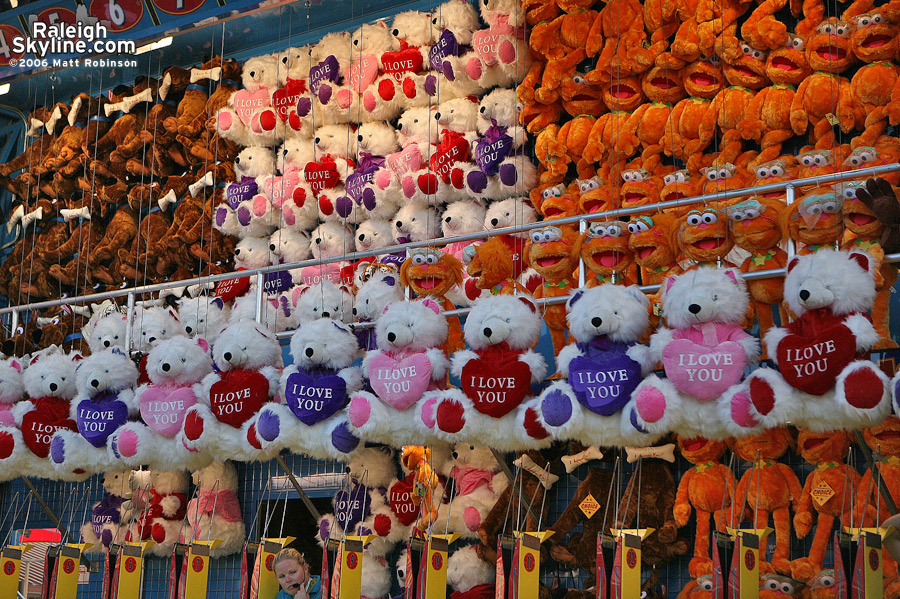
(378, 285)
(496, 373)
(816, 220)
(702, 81)
(824, 380)
(174, 366)
(417, 497)
(828, 496)
(478, 483)
(704, 353)
(874, 42)
(770, 489)
(314, 391)
(705, 488)
(491, 267)
(580, 549)
(248, 359)
(553, 252)
(111, 515)
(704, 236)
(429, 272)
(160, 496)
(469, 576)
(653, 239)
(603, 367)
(104, 401)
(402, 373)
(605, 251)
(214, 512)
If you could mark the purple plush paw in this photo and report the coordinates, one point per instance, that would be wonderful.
(363, 530)
(57, 450)
(360, 410)
(447, 68)
(268, 425)
(324, 93)
(635, 423)
(221, 215)
(556, 408)
(651, 404)
(343, 206)
(304, 105)
(368, 198)
(106, 537)
(243, 216)
(431, 85)
(477, 181)
(343, 439)
(508, 174)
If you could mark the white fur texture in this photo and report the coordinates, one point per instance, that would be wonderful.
(322, 300)
(466, 570)
(720, 297)
(417, 221)
(203, 316)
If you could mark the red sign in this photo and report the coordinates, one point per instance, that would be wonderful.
(437, 561)
(130, 564)
(178, 7)
(55, 14)
(7, 34)
(197, 564)
(749, 559)
(69, 565)
(873, 559)
(9, 568)
(529, 562)
(269, 560)
(631, 558)
(120, 15)
(352, 561)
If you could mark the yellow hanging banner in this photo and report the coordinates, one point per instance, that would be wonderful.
(627, 585)
(874, 572)
(437, 547)
(351, 566)
(529, 569)
(197, 571)
(131, 569)
(67, 570)
(11, 569)
(268, 549)
(747, 552)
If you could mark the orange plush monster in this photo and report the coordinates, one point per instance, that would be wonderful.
(770, 488)
(682, 139)
(653, 241)
(827, 496)
(756, 228)
(605, 251)
(646, 125)
(639, 188)
(417, 459)
(815, 220)
(703, 236)
(616, 34)
(553, 252)
(535, 117)
(595, 196)
(768, 119)
(622, 96)
(676, 186)
(825, 95)
(706, 488)
(491, 267)
(578, 96)
(433, 273)
(717, 27)
(865, 232)
(763, 30)
(875, 43)
(783, 168)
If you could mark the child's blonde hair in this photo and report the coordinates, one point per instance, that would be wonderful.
(288, 553)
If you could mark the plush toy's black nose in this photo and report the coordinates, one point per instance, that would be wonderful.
(596, 321)
(53, 387)
(392, 337)
(227, 356)
(326, 314)
(188, 330)
(106, 343)
(804, 294)
(95, 383)
(166, 367)
(487, 332)
(694, 308)
(399, 224)
(309, 352)
(495, 222)
(354, 311)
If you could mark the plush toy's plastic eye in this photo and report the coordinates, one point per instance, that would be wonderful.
(578, 79)
(694, 220)
(776, 171)
(669, 179)
(706, 585)
(772, 585)
(536, 236)
(827, 581)
(431, 260)
(842, 31)
(876, 18)
(746, 49)
(20, 330)
(556, 191)
(546, 194)
(796, 42)
(712, 175)
(626, 176)
(806, 161)
(589, 185)
(863, 21)
(633, 228)
(849, 193)
(759, 55)
(598, 231)
(614, 231)
(787, 588)
(815, 209)
(710, 218)
(819, 160)
(681, 177)
(867, 156)
(643, 594)
(737, 216)
(724, 173)
(762, 173)
(829, 207)
(751, 213)
(418, 259)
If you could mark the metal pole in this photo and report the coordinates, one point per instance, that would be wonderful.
(582, 227)
(129, 323)
(296, 483)
(791, 246)
(260, 297)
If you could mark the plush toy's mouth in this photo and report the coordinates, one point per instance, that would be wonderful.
(552, 211)
(582, 98)
(876, 41)
(745, 71)
(633, 197)
(476, 271)
(621, 91)
(645, 252)
(607, 258)
(832, 53)
(703, 79)
(429, 282)
(773, 194)
(663, 83)
(888, 436)
(594, 206)
(784, 64)
(548, 261)
(674, 195)
(694, 444)
(528, 118)
(862, 219)
(814, 442)
(710, 243)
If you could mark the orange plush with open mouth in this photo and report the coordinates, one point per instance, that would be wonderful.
(756, 228)
(639, 188)
(815, 220)
(874, 42)
(555, 202)
(770, 488)
(578, 96)
(676, 186)
(433, 273)
(724, 176)
(596, 196)
(605, 251)
(491, 267)
(825, 94)
(553, 252)
(703, 236)
(682, 139)
(653, 241)
(706, 488)
(768, 119)
(827, 497)
(866, 232)
(535, 117)
(646, 125)
(783, 168)
(622, 97)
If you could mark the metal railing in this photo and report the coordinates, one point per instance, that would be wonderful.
(789, 187)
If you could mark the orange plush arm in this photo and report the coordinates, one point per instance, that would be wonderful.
(682, 508)
(803, 516)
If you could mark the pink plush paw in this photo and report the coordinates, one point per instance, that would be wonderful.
(741, 412)
(472, 518)
(343, 98)
(473, 68)
(651, 404)
(127, 443)
(429, 415)
(506, 52)
(224, 120)
(360, 411)
(260, 206)
(409, 187)
(369, 101)
(382, 179)
(255, 124)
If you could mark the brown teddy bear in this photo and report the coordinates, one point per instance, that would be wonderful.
(579, 549)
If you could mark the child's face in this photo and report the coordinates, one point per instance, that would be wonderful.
(291, 575)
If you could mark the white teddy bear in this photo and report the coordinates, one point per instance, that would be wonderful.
(328, 240)
(416, 132)
(478, 482)
(375, 234)
(174, 366)
(111, 515)
(458, 22)
(704, 352)
(322, 300)
(104, 401)
(466, 571)
(314, 391)
(824, 382)
(214, 513)
(152, 325)
(461, 218)
(409, 65)
(203, 316)
(242, 120)
(378, 285)
(248, 359)
(416, 221)
(403, 373)
(160, 503)
(496, 374)
(106, 331)
(377, 140)
(287, 246)
(603, 367)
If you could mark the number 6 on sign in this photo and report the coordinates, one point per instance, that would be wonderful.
(120, 15)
